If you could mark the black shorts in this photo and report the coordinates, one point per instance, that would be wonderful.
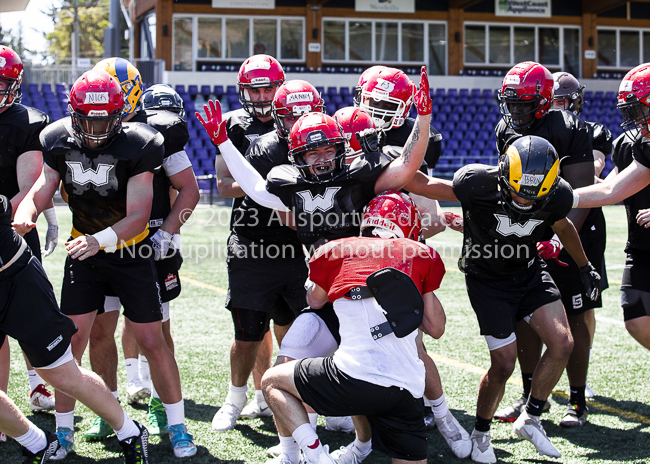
(500, 304)
(635, 292)
(126, 273)
(396, 418)
(29, 313)
(259, 283)
(251, 325)
(567, 279)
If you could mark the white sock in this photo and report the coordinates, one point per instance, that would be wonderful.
(65, 419)
(116, 394)
(34, 380)
(132, 374)
(427, 402)
(175, 413)
(128, 430)
(143, 368)
(34, 440)
(237, 395)
(259, 398)
(313, 419)
(363, 446)
(290, 447)
(439, 407)
(154, 392)
(308, 442)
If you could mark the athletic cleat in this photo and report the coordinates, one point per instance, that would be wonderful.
(41, 399)
(429, 418)
(512, 412)
(274, 451)
(46, 453)
(324, 457)
(66, 442)
(182, 442)
(136, 448)
(339, 424)
(135, 392)
(253, 410)
(100, 430)
(482, 450)
(157, 417)
(349, 454)
(455, 435)
(530, 428)
(589, 393)
(573, 417)
(226, 417)
(281, 459)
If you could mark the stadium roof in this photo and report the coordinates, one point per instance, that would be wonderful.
(13, 5)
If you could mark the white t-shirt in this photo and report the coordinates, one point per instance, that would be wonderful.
(388, 361)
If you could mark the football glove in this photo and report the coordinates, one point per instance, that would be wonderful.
(161, 241)
(551, 250)
(590, 280)
(371, 140)
(422, 97)
(52, 234)
(215, 126)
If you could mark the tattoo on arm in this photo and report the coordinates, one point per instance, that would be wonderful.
(413, 138)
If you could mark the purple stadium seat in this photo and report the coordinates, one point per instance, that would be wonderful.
(446, 109)
(32, 88)
(345, 91)
(458, 135)
(446, 135)
(452, 92)
(488, 127)
(475, 126)
(449, 126)
(218, 91)
(455, 117)
(462, 126)
(479, 145)
(331, 91)
(336, 99)
(320, 90)
(469, 135)
(193, 90)
(441, 93)
(452, 145)
(196, 144)
(231, 90)
(466, 145)
(205, 91)
(475, 93)
(330, 108)
(180, 88)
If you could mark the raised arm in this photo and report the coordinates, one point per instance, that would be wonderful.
(614, 189)
(401, 170)
(431, 187)
(246, 175)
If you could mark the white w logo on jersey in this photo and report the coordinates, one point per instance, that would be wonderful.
(83, 176)
(251, 137)
(323, 202)
(506, 227)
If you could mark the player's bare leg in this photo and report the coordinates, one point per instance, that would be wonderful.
(639, 328)
(135, 390)
(5, 364)
(576, 369)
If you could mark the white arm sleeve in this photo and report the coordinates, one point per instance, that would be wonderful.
(248, 178)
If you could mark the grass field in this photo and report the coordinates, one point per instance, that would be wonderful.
(619, 421)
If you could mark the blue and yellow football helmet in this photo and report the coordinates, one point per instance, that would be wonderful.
(129, 78)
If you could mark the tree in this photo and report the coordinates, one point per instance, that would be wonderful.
(14, 40)
(93, 18)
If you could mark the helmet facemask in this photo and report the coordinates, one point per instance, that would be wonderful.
(96, 130)
(384, 109)
(256, 108)
(12, 94)
(320, 171)
(636, 118)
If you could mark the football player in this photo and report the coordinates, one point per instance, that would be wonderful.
(22, 162)
(629, 182)
(107, 169)
(27, 295)
(264, 285)
(507, 209)
(375, 371)
(525, 99)
(164, 222)
(386, 94)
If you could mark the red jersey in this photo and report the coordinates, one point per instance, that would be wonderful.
(342, 264)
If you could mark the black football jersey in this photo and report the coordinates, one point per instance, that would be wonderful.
(96, 180)
(9, 240)
(252, 220)
(329, 210)
(496, 246)
(569, 135)
(20, 127)
(398, 136)
(174, 130)
(602, 139)
(638, 237)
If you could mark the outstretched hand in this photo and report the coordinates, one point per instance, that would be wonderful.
(214, 126)
(422, 97)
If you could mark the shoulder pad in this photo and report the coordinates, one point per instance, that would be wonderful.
(58, 135)
(285, 174)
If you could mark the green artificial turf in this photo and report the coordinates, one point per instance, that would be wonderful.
(619, 420)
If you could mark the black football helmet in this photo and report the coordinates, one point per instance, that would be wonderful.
(163, 97)
(530, 169)
(567, 87)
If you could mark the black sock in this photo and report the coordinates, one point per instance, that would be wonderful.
(534, 407)
(528, 381)
(577, 397)
(482, 425)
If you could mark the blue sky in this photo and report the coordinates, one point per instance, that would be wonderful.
(33, 21)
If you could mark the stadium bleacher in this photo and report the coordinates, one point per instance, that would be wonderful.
(465, 117)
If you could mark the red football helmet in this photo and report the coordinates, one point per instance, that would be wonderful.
(392, 213)
(353, 120)
(634, 102)
(11, 74)
(313, 131)
(292, 100)
(258, 71)
(526, 94)
(96, 103)
(386, 94)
